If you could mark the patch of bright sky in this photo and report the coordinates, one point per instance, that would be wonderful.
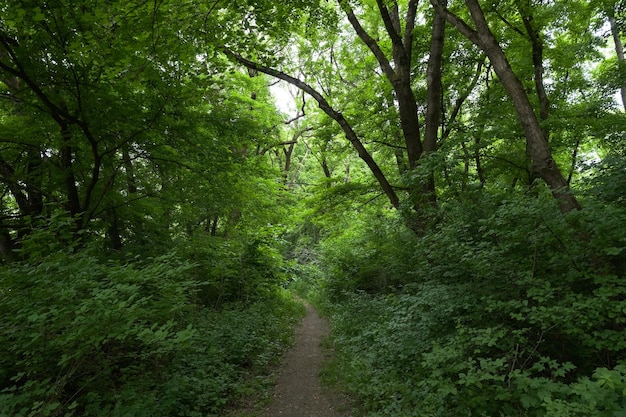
(284, 97)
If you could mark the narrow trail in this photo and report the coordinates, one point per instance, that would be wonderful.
(298, 391)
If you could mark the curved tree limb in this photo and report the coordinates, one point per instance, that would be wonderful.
(334, 114)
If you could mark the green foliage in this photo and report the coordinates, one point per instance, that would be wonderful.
(72, 324)
(83, 336)
(372, 254)
(242, 269)
(514, 309)
(227, 347)
(123, 127)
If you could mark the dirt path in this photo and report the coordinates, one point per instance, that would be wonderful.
(298, 392)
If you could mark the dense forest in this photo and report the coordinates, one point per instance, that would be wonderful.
(444, 179)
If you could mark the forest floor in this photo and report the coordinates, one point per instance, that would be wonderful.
(298, 391)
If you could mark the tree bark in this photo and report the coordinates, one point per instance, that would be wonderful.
(537, 58)
(34, 181)
(542, 162)
(131, 183)
(537, 55)
(7, 246)
(400, 76)
(434, 95)
(326, 170)
(214, 223)
(114, 232)
(71, 190)
(619, 50)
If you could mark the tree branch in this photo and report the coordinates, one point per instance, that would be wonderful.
(459, 102)
(465, 29)
(300, 115)
(392, 29)
(411, 15)
(509, 24)
(331, 112)
(370, 42)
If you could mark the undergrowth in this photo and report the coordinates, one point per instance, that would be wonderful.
(86, 337)
(513, 310)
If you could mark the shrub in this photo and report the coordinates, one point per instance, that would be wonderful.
(513, 311)
(72, 324)
(82, 336)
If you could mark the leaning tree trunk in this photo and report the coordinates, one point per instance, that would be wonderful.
(543, 164)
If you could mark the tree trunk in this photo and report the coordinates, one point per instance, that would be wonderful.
(409, 122)
(33, 184)
(214, 223)
(537, 56)
(131, 182)
(326, 170)
(542, 162)
(73, 200)
(619, 50)
(114, 232)
(434, 95)
(7, 245)
(400, 76)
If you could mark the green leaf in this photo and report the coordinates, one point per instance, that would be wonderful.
(38, 15)
(614, 251)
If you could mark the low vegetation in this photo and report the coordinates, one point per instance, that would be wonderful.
(511, 311)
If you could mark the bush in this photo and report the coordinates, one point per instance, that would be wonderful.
(232, 270)
(72, 325)
(82, 336)
(228, 349)
(512, 311)
(373, 255)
